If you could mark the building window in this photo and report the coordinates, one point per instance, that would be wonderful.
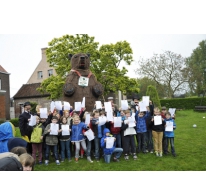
(40, 74)
(0, 83)
(50, 72)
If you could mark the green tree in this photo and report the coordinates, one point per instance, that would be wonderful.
(196, 69)
(105, 64)
(145, 82)
(152, 93)
(165, 69)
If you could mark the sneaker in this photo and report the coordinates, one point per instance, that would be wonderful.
(160, 154)
(89, 159)
(146, 151)
(156, 153)
(115, 160)
(151, 152)
(135, 157)
(40, 162)
(126, 157)
(57, 162)
(97, 159)
(69, 160)
(76, 160)
(46, 162)
(82, 155)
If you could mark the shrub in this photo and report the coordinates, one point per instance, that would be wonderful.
(15, 122)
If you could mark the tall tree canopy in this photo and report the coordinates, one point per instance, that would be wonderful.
(165, 69)
(105, 63)
(196, 69)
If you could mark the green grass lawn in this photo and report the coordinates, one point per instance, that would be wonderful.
(190, 146)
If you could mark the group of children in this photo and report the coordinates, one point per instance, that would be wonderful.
(65, 135)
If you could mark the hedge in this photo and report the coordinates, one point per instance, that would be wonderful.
(183, 103)
(14, 121)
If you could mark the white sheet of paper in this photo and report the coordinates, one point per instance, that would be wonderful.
(90, 135)
(146, 100)
(102, 120)
(142, 106)
(66, 106)
(77, 106)
(109, 142)
(110, 116)
(32, 121)
(54, 129)
(87, 120)
(58, 105)
(65, 130)
(98, 104)
(117, 121)
(157, 120)
(169, 126)
(108, 106)
(131, 122)
(43, 113)
(52, 106)
(124, 104)
(83, 102)
(172, 111)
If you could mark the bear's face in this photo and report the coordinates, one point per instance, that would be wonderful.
(80, 61)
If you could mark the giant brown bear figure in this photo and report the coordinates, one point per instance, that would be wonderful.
(80, 82)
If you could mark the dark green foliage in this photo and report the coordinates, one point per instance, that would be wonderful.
(152, 93)
(183, 103)
(15, 122)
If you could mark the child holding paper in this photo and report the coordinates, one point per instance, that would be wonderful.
(77, 136)
(157, 123)
(108, 151)
(129, 133)
(98, 133)
(141, 128)
(65, 139)
(37, 139)
(116, 131)
(169, 134)
(51, 132)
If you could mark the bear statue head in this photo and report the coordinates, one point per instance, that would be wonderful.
(80, 61)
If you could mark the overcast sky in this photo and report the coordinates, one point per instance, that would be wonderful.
(26, 28)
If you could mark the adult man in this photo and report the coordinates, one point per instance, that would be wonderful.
(25, 129)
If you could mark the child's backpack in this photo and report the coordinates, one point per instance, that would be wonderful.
(10, 164)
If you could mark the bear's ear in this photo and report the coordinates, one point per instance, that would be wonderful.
(88, 54)
(70, 56)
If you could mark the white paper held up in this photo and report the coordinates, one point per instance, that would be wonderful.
(65, 130)
(43, 113)
(98, 104)
(54, 129)
(77, 106)
(117, 121)
(83, 102)
(66, 105)
(157, 120)
(58, 105)
(90, 135)
(32, 121)
(169, 126)
(109, 142)
(124, 104)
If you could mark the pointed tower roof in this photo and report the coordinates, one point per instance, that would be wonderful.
(2, 70)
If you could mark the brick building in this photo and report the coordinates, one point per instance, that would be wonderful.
(4, 94)
(28, 91)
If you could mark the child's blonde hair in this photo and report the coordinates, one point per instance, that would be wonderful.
(26, 160)
(127, 111)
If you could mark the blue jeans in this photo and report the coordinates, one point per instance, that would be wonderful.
(118, 140)
(149, 140)
(117, 153)
(89, 146)
(65, 148)
(168, 140)
(54, 151)
(96, 147)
